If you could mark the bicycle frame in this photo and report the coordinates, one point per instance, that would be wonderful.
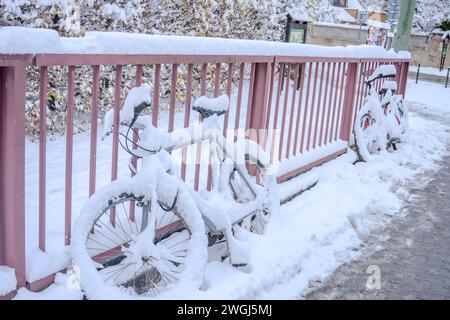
(210, 131)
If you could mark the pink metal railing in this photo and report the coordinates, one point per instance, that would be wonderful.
(309, 102)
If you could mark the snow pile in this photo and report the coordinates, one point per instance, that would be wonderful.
(8, 281)
(136, 96)
(35, 41)
(40, 264)
(59, 290)
(384, 70)
(218, 104)
(389, 85)
(430, 71)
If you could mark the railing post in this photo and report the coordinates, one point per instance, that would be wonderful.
(12, 164)
(259, 103)
(349, 99)
(404, 78)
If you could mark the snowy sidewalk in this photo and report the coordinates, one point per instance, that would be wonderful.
(414, 262)
(412, 255)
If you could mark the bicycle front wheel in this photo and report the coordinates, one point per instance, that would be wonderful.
(126, 247)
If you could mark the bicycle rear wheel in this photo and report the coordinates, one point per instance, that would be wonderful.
(370, 134)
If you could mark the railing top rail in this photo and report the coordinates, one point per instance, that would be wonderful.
(49, 59)
(9, 60)
(296, 59)
(128, 48)
(105, 59)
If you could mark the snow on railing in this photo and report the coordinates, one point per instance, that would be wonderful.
(297, 101)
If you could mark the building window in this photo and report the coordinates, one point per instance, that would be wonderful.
(340, 3)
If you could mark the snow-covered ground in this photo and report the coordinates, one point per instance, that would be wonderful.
(8, 280)
(317, 231)
(430, 71)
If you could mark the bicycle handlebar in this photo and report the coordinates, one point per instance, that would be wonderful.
(381, 76)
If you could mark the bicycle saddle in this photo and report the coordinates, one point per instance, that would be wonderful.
(210, 106)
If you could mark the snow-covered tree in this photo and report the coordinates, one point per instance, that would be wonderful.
(431, 14)
(242, 19)
(375, 5)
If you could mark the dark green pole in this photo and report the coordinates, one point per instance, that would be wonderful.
(446, 80)
(405, 19)
(418, 71)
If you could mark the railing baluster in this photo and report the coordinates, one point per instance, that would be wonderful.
(277, 110)
(239, 98)
(199, 145)
(311, 118)
(250, 96)
(216, 94)
(173, 94)
(299, 108)
(358, 92)
(94, 120)
(283, 118)
(341, 100)
(69, 153)
(325, 107)
(322, 71)
(269, 103)
(291, 119)
(42, 153)
(305, 113)
(335, 105)
(330, 104)
(228, 92)
(155, 100)
(187, 114)
(217, 79)
(138, 83)
(115, 146)
(346, 122)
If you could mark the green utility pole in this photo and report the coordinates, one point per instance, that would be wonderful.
(402, 38)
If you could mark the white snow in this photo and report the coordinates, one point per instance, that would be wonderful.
(391, 85)
(342, 25)
(343, 15)
(135, 97)
(8, 280)
(217, 104)
(35, 41)
(315, 154)
(60, 290)
(430, 71)
(383, 70)
(446, 35)
(379, 24)
(323, 228)
(299, 15)
(354, 4)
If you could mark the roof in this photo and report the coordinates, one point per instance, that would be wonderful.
(378, 24)
(354, 4)
(343, 15)
(298, 15)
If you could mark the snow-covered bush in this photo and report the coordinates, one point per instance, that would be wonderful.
(242, 19)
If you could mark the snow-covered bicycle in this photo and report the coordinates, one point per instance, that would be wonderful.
(147, 235)
(382, 122)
